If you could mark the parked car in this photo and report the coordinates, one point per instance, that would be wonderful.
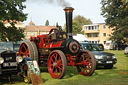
(102, 58)
(126, 51)
(109, 45)
(9, 61)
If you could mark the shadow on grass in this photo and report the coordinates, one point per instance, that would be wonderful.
(71, 71)
(14, 80)
(126, 55)
(44, 80)
(44, 69)
(102, 68)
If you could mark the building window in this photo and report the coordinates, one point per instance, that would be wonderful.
(104, 34)
(86, 28)
(92, 27)
(88, 35)
(89, 28)
(93, 35)
(97, 27)
(96, 42)
(104, 42)
(92, 41)
(104, 26)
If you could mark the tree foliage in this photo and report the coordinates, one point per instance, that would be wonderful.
(82, 20)
(77, 24)
(116, 14)
(47, 23)
(11, 12)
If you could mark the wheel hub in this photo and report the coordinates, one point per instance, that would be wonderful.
(85, 63)
(54, 64)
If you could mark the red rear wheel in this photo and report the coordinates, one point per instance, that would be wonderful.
(89, 63)
(57, 64)
(28, 49)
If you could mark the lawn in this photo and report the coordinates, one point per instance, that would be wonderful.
(116, 76)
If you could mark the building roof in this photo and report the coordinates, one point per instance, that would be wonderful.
(94, 24)
(39, 28)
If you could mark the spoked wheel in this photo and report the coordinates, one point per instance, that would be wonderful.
(26, 75)
(28, 49)
(88, 63)
(57, 64)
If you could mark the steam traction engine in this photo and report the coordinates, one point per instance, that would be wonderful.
(58, 49)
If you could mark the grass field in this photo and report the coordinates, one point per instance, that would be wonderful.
(116, 76)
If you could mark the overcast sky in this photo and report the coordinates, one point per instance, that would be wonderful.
(41, 10)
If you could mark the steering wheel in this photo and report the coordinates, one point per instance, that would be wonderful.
(53, 29)
(49, 35)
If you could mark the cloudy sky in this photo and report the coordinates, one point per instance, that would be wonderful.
(41, 10)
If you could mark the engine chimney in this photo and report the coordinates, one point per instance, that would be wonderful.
(68, 14)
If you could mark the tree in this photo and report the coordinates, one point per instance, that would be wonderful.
(116, 14)
(47, 23)
(119, 38)
(125, 4)
(82, 20)
(77, 24)
(11, 12)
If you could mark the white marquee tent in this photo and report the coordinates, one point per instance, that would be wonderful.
(80, 37)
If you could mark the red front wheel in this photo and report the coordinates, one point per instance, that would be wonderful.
(89, 63)
(57, 64)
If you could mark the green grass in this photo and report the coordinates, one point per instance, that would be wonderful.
(116, 76)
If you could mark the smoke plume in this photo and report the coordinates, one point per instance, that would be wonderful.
(61, 3)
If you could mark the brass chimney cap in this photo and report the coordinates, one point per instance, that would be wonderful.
(68, 9)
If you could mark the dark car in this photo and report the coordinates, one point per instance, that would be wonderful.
(9, 61)
(102, 58)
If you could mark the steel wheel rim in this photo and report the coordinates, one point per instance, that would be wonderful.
(87, 66)
(55, 65)
(26, 77)
(26, 74)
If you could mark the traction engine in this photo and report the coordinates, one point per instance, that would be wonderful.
(58, 49)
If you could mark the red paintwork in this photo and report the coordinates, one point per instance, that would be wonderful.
(51, 45)
(55, 64)
(71, 60)
(44, 42)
